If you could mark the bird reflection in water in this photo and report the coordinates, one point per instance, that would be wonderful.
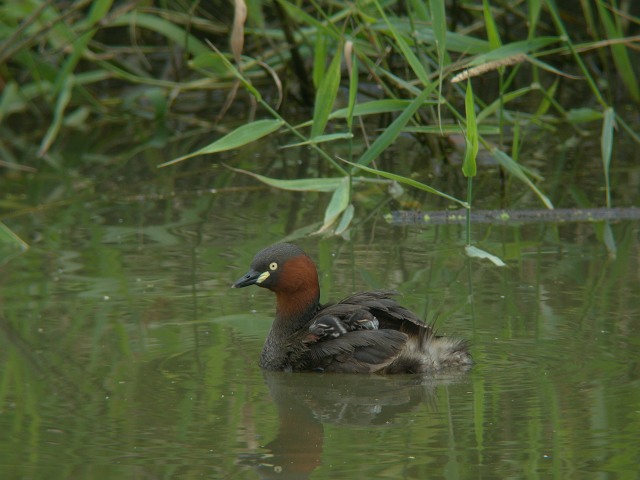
(305, 402)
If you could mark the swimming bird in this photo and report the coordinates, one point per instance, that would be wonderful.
(367, 332)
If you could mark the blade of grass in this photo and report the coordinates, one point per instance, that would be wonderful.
(97, 11)
(490, 25)
(319, 59)
(516, 170)
(58, 115)
(351, 60)
(407, 181)
(407, 52)
(239, 137)
(513, 49)
(326, 95)
(439, 22)
(338, 203)
(557, 20)
(297, 185)
(9, 237)
(606, 145)
(321, 139)
(620, 54)
(164, 27)
(345, 220)
(392, 131)
(375, 107)
(469, 167)
(451, 129)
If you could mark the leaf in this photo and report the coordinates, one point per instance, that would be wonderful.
(607, 148)
(533, 10)
(319, 59)
(610, 240)
(583, 115)
(345, 220)
(321, 139)
(471, 152)
(490, 25)
(475, 252)
(239, 137)
(58, 115)
(407, 181)
(169, 30)
(10, 244)
(450, 129)
(407, 52)
(392, 131)
(374, 107)
(8, 237)
(455, 42)
(352, 67)
(625, 69)
(439, 19)
(326, 95)
(513, 49)
(339, 201)
(517, 171)
(298, 185)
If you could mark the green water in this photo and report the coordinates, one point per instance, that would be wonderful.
(125, 354)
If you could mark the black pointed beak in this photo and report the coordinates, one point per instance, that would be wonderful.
(247, 279)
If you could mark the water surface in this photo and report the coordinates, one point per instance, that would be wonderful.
(125, 354)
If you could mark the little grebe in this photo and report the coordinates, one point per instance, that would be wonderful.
(366, 332)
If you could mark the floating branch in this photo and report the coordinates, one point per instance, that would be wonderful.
(510, 217)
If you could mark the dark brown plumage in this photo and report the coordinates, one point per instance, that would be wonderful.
(364, 333)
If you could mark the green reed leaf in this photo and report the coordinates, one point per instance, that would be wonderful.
(408, 181)
(338, 203)
(166, 28)
(407, 52)
(374, 107)
(345, 220)
(392, 131)
(512, 49)
(490, 25)
(326, 95)
(319, 59)
(606, 145)
(619, 51)
(58, 115)
(439, 19)
(472, 144)
(331, 137)
(297, 185)
(517, 171)
(352, 66)
(239, 137)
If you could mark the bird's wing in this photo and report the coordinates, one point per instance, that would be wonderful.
(358, 351)
(381, 304)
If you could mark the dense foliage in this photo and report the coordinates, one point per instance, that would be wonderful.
(488, 72)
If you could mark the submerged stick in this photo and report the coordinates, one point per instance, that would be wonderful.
(510, 217)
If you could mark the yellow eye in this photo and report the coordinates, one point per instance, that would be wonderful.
(273, 266)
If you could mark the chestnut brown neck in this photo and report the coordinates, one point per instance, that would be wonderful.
(297, 292)
(297, 301)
